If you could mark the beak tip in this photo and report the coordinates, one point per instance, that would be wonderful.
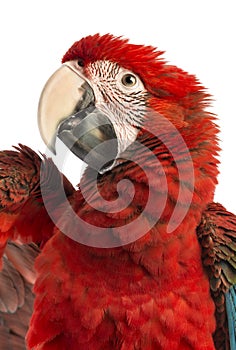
(52, 148)
(54, 152)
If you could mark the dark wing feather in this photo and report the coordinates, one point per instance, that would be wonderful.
(16, 296)
(217, 236)
(27, 182)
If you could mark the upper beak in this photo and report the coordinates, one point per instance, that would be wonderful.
(67, 110)
(59, 98)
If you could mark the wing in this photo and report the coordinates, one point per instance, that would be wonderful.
(27, 182)
(217, 236)
(16, 297)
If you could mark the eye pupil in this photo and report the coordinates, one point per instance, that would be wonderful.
(129, 80)
(80, 62)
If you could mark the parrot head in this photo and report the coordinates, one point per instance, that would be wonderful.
(108, 93)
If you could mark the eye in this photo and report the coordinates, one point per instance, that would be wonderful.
(129, 80)
(80, 62)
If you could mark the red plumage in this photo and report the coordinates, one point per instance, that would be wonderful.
(150, 294)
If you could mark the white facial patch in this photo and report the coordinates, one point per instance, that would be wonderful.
(121, 95)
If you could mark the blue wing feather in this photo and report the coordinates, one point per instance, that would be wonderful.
(231, 314)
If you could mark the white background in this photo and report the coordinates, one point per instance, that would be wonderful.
(198, 36)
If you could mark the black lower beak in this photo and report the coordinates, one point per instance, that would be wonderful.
(89, 134)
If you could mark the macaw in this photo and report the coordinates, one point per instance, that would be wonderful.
(138, 256)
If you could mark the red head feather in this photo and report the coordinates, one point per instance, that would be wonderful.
(161, 80)
(175, 94)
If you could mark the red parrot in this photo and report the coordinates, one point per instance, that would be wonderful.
(138, 256)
